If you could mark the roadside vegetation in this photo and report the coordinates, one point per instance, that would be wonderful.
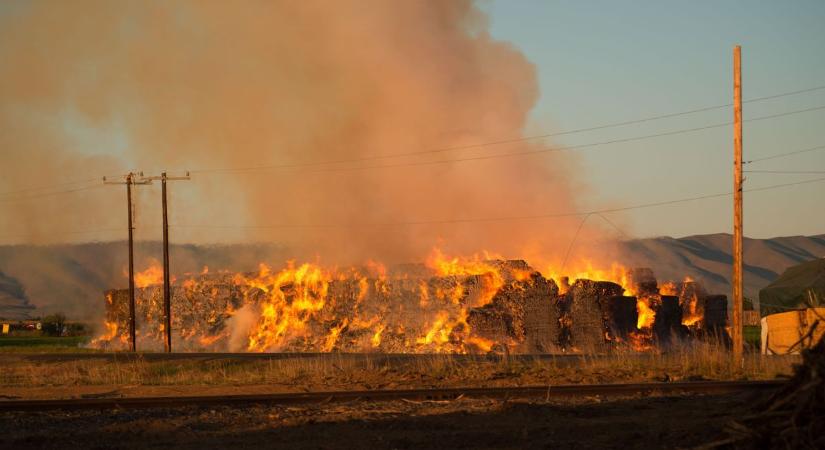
(318, 372)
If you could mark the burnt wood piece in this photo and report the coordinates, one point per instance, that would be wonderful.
(622, 316)
(668, 321)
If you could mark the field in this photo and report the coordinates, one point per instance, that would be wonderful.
(50, 368)
(41, 344)
(66, 374)
(650, 422)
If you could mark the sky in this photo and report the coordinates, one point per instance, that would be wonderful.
(595, 63)
(602, 62)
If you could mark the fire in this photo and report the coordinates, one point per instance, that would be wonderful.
(489, 275)
(290, 298)
(586, 269)
(688, 299)
(646, 313)
(446, 305)
(153, 275)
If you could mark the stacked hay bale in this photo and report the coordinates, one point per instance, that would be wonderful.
(587, 304)
(667, 325)
(622, 317)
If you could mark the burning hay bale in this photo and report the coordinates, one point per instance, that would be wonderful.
(587, 303)
(304, 309)
(642, 281)
(622, 316)
(443, 306)
(667, 323)
(524, 311)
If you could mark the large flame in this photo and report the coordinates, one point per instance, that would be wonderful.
(151, 276)
(294, 305)
(372, 309)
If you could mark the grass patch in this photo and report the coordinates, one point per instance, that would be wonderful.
(332, 372)
(752, 336)
(38, 342)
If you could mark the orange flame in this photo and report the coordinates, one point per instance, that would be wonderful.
(153, 275)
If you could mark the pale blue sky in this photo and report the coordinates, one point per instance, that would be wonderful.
(608, 61)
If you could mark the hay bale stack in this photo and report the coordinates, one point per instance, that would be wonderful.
(643, 281)
(691, 295)
(524, 312)
(668, 321)
(622, 317)
(715, 312)
(541, 316)
(587, 301)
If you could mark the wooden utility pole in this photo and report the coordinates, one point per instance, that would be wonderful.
(129, 181)
(737, 206)
(167, 289)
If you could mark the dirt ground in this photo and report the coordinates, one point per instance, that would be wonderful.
(648, 422)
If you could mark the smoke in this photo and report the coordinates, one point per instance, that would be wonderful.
(240, 325)
(95, 88)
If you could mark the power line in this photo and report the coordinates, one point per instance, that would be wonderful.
(599, 212)
(787, 171)
(573, 242)
(609, 222)
(42, 188)
(782, 155)
(506, 141)
(500, 155)
(53, 186)
(48, 194)
(502, 219)
(64, 232)
(446, 149)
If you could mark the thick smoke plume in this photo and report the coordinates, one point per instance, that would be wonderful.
(94, 88)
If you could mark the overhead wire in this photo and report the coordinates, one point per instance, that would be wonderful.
(783, 155)
(497, 219)
(508, 154)
(43, 188)
(811, 172)
(49, 194)
(469, 146)
(514, 140)
(586, 214)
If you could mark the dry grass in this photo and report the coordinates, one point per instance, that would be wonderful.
(694, 362)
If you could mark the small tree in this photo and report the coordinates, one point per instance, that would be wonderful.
(53, 325)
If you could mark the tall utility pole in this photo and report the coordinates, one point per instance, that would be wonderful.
(129, 181)
(167, 290)
(737, 205)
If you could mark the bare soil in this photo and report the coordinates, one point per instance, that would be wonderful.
(642, 422)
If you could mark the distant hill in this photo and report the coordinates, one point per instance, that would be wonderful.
(14, 304)
(707, 258)
(71, 278)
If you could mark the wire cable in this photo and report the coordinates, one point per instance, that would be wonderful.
(783, 155)
(497, 155)
(49, 194)
(499, 219)
(812, 172)
(446, 149)
(43, 188)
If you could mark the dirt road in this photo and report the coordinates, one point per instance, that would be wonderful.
(652, 422)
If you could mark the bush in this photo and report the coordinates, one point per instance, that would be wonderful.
(54, 325)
